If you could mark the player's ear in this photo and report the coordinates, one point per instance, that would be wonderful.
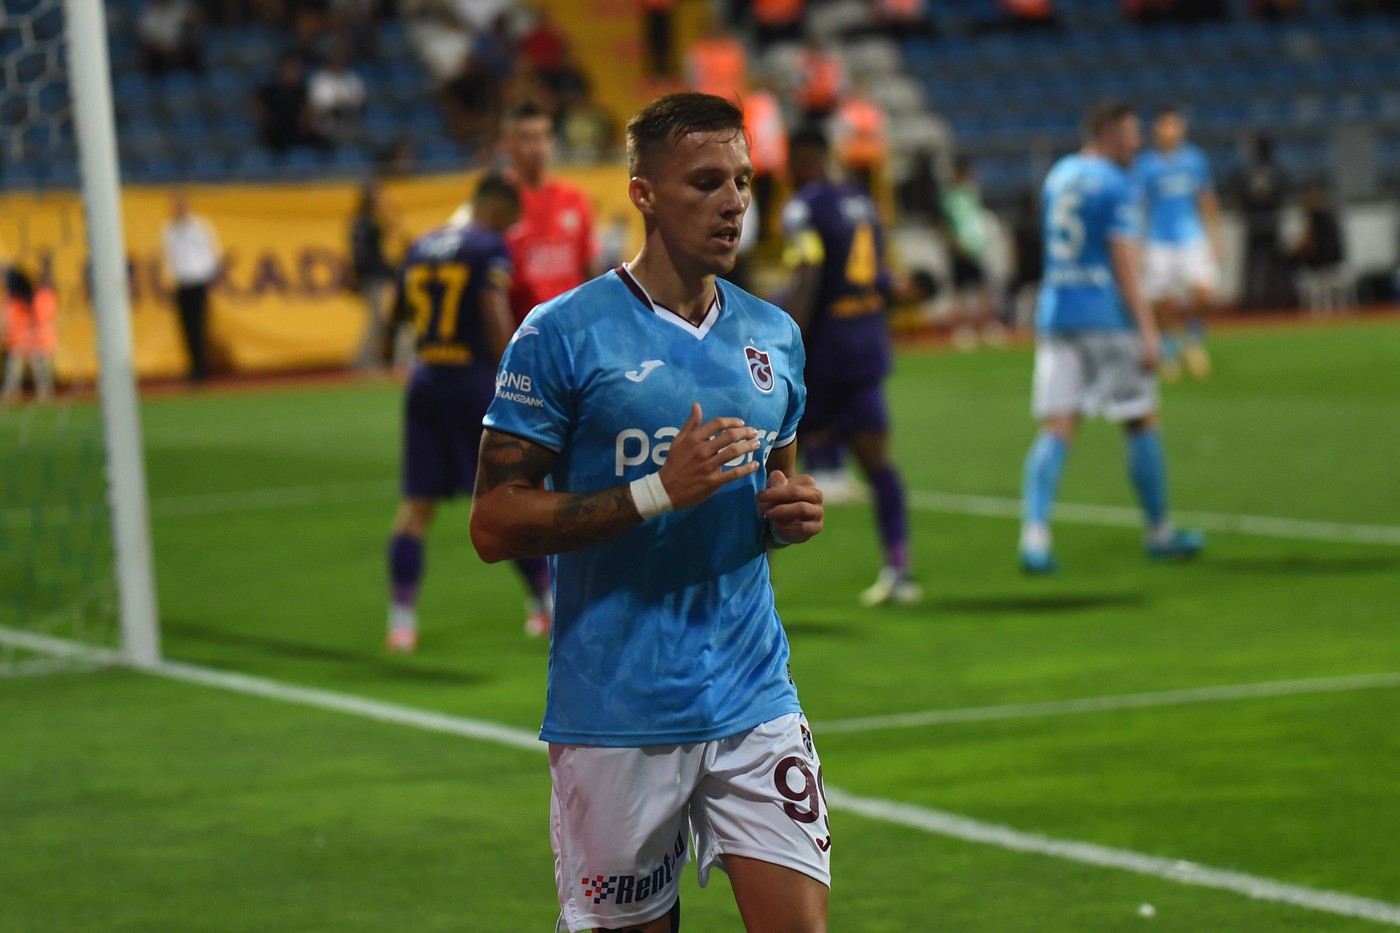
(641, 193)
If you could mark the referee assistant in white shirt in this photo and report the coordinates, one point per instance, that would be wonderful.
(193, 256)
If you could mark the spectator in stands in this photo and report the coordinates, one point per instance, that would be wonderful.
(587, 130)
(1319, 253)
(777, 21)
(768, 150)
(860, 133)
(357, 22)
(821, 78)
(336, 97)
(658, 33)
(717, 64)
(1029, 14)
(171, 33)
(194, 260)
(900, 18)
(440, 42)
(495, 48)
(283, 109)
(472, 100)
(567, 83)
(544, 45)
(372, 275)
(1260, 194)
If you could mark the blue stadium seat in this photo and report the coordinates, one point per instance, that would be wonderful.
(254, 164)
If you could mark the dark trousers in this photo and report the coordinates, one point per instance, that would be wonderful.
(193, 303)
(659, 43)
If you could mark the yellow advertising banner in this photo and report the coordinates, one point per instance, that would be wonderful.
(283, 301)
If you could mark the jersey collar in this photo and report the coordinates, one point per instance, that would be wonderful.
(698, 331)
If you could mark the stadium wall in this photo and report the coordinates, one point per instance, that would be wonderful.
(283, 301)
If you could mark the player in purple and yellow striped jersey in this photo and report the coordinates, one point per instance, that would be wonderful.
(453, 286)
(838, 296)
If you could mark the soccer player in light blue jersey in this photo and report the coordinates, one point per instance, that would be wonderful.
(1181, 260)
(659, 406)
(1097, 342)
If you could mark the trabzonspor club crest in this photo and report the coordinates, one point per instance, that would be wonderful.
(760, 368)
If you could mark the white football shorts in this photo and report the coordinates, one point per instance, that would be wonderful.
(1173, 270)
(1092, 373)
(621, 819)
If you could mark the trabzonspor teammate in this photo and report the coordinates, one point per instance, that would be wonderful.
(552, 244)
(659, 405)
(1181, 261)
(836, 250)
(453, 288)
(1096, 339)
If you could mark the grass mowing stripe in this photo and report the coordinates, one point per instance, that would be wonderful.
(201, 504)
(1263, 526)
(914, 817)
(1187, 873)
(1275, 688)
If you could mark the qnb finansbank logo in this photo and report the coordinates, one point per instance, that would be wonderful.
(517, 387)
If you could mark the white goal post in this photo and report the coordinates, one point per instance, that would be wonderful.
(91, 88)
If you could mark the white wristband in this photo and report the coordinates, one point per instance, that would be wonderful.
(649, 496)
(778, 540)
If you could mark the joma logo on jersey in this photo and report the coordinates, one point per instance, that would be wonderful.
(633, 889)
(635, 447)
(760, 368)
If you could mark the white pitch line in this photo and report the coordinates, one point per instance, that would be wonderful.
(1276, 688)
(925, 819)
(198, 505)
(1080, 513)
(1088, 853)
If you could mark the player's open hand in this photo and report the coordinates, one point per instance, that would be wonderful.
(792, 505)
(694, 467)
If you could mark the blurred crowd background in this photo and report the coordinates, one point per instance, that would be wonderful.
(951, 110)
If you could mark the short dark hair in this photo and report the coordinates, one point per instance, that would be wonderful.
(1104, 115)
(526, 110)
(809, 136)
(495, 187)
(667, 119)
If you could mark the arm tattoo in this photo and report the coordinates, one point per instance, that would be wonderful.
(575, 520)
(508, 460)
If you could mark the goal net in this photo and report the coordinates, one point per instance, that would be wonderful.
(75, 580)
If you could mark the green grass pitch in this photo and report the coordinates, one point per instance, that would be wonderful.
(133, 803)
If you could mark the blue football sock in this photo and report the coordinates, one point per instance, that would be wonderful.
(1147, 465)
(1171, 349)
(1195, 330)
(1040, 479)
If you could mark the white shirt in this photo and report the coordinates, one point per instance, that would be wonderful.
(163, 25)
(335, 91)
(191, 250)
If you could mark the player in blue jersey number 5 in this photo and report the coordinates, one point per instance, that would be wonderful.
(659, 406)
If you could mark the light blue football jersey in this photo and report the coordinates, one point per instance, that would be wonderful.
(1172, 183)
(666, 634)
(1088, 201)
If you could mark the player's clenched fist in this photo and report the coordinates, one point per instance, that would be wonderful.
(694, 467)
(793, 507)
